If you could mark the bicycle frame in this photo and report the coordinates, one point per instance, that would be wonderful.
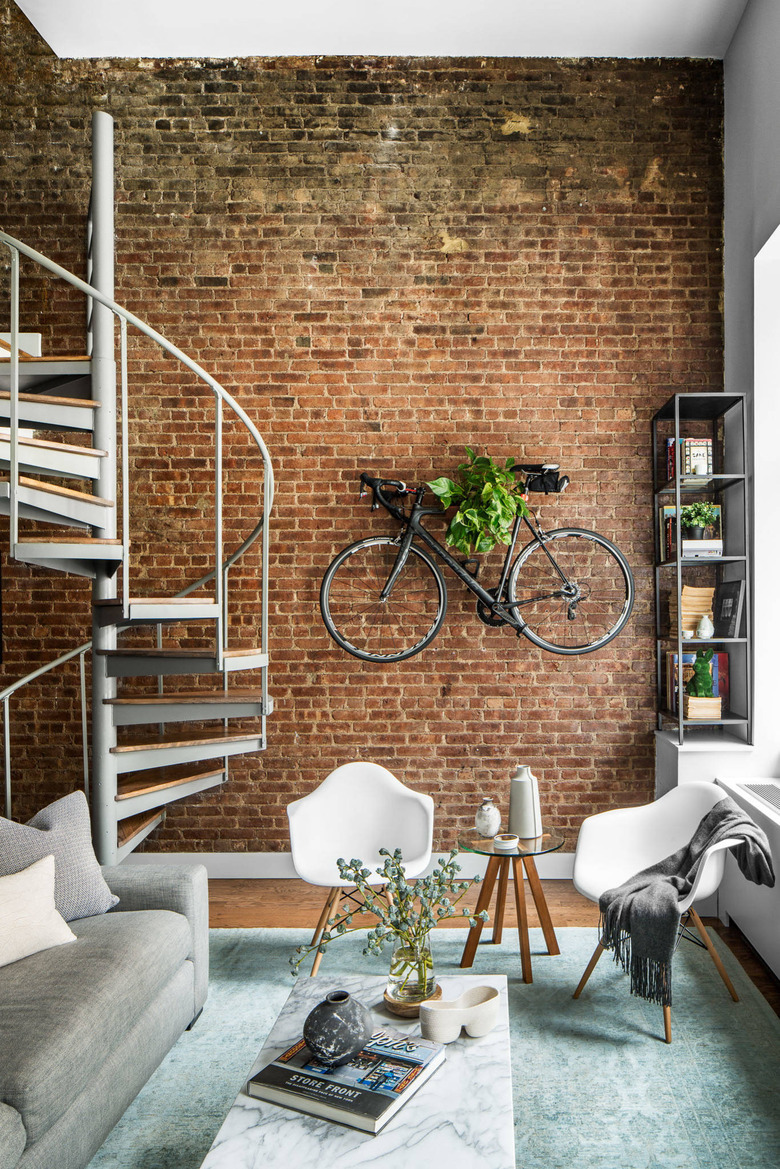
(506, 610)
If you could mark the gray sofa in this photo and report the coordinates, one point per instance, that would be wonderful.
(82, 1027)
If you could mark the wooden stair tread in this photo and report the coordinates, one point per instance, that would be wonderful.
(52, 400)
(181, 739)
(6, 351)
(57, 539)
(56, 489)
(47, 444)
(177, 653)
(127, 829)
(188, 696)
(159, 601)
(163, 780)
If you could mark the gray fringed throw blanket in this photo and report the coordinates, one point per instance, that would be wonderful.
(640, 919)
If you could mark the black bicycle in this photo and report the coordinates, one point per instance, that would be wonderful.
(383, 599)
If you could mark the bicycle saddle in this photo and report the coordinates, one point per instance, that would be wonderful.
(535, 468)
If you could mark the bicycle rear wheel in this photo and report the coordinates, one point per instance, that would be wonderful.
(382, 631)
(574, 589)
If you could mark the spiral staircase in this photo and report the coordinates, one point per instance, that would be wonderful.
(144, 751)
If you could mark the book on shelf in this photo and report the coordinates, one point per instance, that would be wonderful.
(695, 603)
(727, 608)
(363, 1093)
(719, 667)
(702, 549)
(693, 453)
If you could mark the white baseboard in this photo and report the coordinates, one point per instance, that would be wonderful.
(553, 866)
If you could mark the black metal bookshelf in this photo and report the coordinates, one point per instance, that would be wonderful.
(720, 419)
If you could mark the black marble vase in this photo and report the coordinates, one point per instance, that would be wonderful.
(337, 1028)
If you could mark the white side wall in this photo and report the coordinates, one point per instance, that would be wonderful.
(752, 365)
(752, 307)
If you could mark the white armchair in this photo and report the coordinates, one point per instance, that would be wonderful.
(358, 809)
(613, 846)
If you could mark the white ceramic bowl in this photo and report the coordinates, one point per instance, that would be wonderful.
(476, 1010)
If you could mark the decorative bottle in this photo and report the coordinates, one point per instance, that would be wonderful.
(525, 814)
(705, 628)
(337, 1028)
(488, 818)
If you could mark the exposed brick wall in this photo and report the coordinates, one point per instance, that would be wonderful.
(384, 260)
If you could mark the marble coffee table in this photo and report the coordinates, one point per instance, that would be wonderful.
(461, 1117)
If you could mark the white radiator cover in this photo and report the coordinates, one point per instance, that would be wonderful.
(755, 909)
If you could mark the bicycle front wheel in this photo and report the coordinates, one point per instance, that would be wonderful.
(375, 630)
(574, 589)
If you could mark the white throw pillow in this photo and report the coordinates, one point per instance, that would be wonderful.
(28, 920)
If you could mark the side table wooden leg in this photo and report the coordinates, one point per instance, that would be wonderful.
(522, 919)
(503, 881)
(540, 902)
(485, 893)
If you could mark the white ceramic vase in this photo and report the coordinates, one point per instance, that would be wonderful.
(705, 627)
(525, 814)
(488, 818)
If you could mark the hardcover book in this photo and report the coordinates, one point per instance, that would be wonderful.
(727, 608)
(693, 453)
(364, 1093)
(720, 677)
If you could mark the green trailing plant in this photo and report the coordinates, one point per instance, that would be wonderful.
(488, 497)
(699, 685)
(406, 910)
(698, 515)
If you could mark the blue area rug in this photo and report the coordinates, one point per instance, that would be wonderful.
(595, 1085)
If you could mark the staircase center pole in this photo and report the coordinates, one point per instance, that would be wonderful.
(105, 438)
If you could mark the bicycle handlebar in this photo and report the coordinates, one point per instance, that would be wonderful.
(376, 486)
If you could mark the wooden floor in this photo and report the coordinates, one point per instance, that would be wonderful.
(268, 903)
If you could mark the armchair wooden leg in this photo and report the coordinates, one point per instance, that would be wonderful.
(589, 970)
(667, 1024)
(713, 954)
(327, 910)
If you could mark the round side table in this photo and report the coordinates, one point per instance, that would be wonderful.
(521, 860)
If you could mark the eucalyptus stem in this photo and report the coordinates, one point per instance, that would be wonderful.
(406, 911)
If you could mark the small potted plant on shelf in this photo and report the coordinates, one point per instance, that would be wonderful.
(696, 517)
(407, 912)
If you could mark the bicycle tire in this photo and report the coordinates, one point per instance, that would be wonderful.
(600, 613)
(376, 631)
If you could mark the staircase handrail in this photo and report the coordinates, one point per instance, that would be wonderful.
(5, 697)
(168, 346)
(60, 661)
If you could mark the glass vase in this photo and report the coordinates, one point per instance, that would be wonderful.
(411, 978)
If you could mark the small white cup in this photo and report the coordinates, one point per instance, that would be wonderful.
(505, 842)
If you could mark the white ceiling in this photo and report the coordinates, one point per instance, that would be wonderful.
(441, 28)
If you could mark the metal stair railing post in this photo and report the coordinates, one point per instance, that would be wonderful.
(104, 587)
(13, 471)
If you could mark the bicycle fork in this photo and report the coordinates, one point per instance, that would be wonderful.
(400, 561)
